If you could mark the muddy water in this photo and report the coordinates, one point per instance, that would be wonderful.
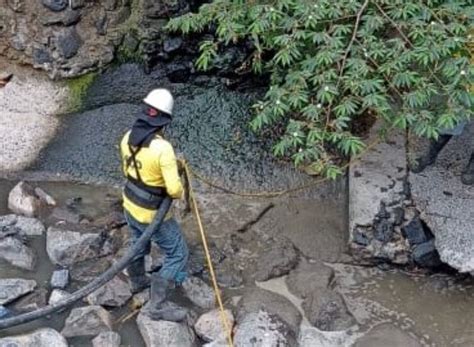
(95, 202)
(437, 310)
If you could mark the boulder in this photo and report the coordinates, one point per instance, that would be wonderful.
(256, 299)
(426, 255)
(13, 288)
(68, 247)
(107, 339)
(32, 301)
(45, 337)
(12, 224)
(261, 329)
(386, 335)
(308, 277)
(56, 296)
(60, 279)
(327, 311)
(23, 200)
(210, 327)
(199, 292)
(165, 334)
(113, 294)
(276, 260)
(16, 253)
(45, 197)
(87, 321)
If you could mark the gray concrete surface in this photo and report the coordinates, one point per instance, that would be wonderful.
(446, 205)
(28, 104)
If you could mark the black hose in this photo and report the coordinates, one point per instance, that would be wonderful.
(99, 281)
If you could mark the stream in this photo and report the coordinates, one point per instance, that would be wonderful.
(436, 310)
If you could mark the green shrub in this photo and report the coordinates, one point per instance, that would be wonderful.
(332, 62)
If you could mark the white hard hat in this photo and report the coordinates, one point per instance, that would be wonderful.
(161, 99)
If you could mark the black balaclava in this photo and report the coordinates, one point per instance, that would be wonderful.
(145, 128)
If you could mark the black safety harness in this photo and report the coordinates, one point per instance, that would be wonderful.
(136, 190)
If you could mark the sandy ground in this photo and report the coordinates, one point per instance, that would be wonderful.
(28, 104)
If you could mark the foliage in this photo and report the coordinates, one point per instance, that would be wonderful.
(332, 62)
(78, 87)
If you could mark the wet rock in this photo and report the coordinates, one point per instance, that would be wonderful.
(16, 253)
(426, 254)
(276, 260)
(22, 200)
(25, 226)
(386, 335)
(309, 277)
(199, 292)
(32, 301)
(256, 299)
(87, 321)
(45, 337)
(60, 279)
(68, 247)
(197, 259)
(45, 197)
(113, 220)
(66, 215)
(115, 293)
(261, 329)
(13, 288)
(57, 295)
(55, 5)
(165, 334)
(88, 270)
(209, 326)
(107, 339)
(227, 274)
(327, 311)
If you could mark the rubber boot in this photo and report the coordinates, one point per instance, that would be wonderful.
(159, 308)
(138, 279)
(431, 154)
(467, 177)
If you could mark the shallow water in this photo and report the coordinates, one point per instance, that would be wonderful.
(436, 309)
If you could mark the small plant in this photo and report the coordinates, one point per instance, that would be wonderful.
(332, 62)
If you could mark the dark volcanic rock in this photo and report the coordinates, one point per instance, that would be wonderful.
(426, 255)
(68, 43)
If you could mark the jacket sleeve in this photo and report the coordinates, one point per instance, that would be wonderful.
(169, 170)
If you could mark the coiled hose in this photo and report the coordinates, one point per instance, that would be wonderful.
(99, 281)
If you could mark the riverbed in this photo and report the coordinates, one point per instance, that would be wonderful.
(433, 309)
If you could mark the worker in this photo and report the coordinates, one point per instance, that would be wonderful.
(431, 153)
(151, 169)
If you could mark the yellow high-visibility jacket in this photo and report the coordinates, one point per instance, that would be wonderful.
(157, 167)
